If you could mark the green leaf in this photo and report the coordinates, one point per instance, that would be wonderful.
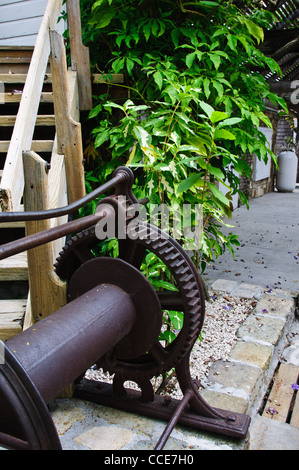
(155, 28)
(206, 86)
(110, 104)
(223, 134)
(143, 137)
(192, 148)
(165, 285)
(97, 4)
(118, 64)
(256, 31)
(230, 122)
(207, 3)
(158, 79)
(215, 58)
(95, 111)
(167, 335)
(105, 18)
(207, 108)
(232, 42)
(147, 31)
(177, 319)
(130, 65)
(175, 34)
(190, 59)
(243, 40)
(188, 183)
(217, 116)
(101, 138)
(218, 194)
(218, 87)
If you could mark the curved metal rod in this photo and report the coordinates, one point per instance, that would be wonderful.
(120, 177)
(46, 236)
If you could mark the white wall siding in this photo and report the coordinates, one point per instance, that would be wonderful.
(262, 170)
(20, 21)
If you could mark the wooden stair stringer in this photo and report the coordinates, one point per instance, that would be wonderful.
(15, 314)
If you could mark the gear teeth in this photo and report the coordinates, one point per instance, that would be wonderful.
(190, 286)
(187, 277)
(188, 283)
(172, 257)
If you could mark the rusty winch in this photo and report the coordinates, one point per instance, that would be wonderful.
(113, 319)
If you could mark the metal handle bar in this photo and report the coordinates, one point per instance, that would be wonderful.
(121, 175)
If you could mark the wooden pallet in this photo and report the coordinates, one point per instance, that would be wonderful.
(283, 401)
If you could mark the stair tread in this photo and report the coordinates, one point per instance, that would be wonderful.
(12, 313)
(20, 78)
(14, 268)
(20, 224)
(37, 146)
(41, 120)
(16, 96)
(15, 60)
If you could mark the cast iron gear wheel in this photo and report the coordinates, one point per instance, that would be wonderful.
(189, 298)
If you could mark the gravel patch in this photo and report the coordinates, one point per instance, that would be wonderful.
(223, 317)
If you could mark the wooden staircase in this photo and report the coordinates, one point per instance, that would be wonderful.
(14, 287)
(54, 132)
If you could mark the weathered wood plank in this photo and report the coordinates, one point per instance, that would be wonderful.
(68, 131)
(14, 268)
(295, 414)
(96, 78)
(36, 146)
(279, 401)
(11, 317)
(41, 120)
(79, 55)
(47, 291)
(57, 189)
(16, 96)
(21, 78)
(15, 60)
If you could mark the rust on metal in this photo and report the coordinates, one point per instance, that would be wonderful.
(113, 319)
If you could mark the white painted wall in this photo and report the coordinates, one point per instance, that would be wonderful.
(261, 169)
(20, 21)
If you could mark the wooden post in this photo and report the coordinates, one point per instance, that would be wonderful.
(79, 55)
(47, 291)
(68, 131)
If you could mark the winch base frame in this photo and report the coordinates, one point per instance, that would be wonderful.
(102, 393)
